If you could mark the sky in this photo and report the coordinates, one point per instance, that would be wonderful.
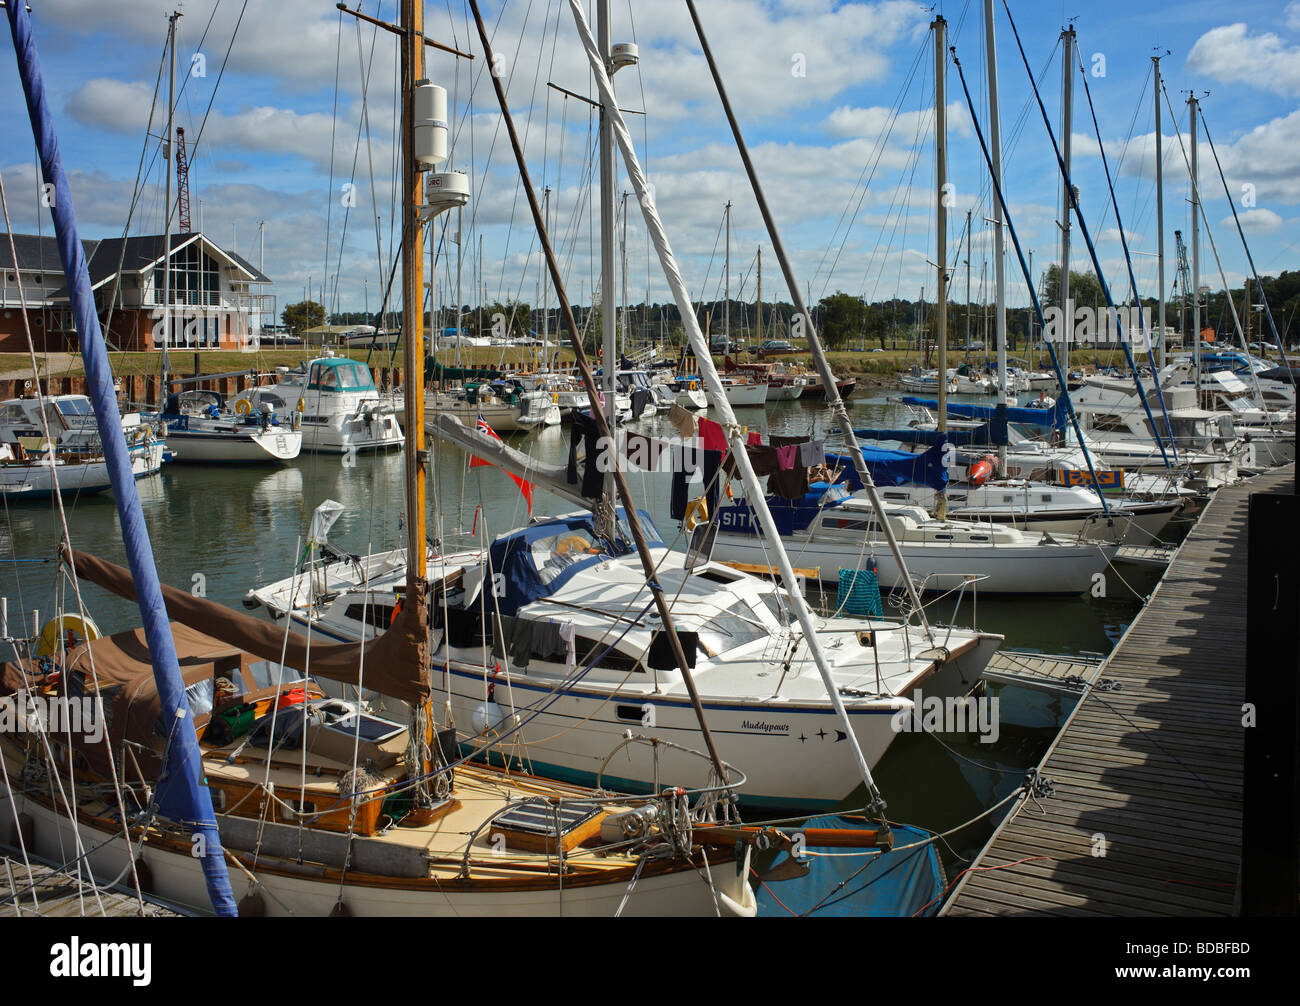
(286, 102)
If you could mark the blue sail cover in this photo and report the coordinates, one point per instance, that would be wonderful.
(979, 436)
(904, 882)
(523, 580)
(1055, 416)
(181, 794)
(896, 468)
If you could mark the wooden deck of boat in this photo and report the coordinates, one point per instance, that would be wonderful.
(49, 893)
(1150, 772)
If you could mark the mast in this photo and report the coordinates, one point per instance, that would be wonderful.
(758, 320)
(412, 57)
(726, 283)
(609, 368)
(546, 293)
(167, 202)
(1160, 223)
(1067, 117)
(940, 27)
(1196, 249)
(999, 239)
(623, 257)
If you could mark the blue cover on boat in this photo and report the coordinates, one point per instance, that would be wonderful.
(910, 435)
(896, 468)
(1055, 416)
(904, 882)
(521, 582)
(182, 794)
(788, 515)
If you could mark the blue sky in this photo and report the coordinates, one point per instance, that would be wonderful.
(275, 123)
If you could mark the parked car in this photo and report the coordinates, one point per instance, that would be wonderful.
(776, 346)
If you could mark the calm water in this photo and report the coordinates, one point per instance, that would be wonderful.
(228, 529)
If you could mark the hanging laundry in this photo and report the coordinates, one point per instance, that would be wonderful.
(711, 436)
(644, 452)
(684, 420)
(569, 633)
(754, 439)
(585, 430)
(787, 458)
(812, 453)
(686, 462)
(640, 399)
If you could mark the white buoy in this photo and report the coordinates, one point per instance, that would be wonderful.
(430, 113)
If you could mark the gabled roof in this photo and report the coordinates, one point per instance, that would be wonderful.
(136, 253)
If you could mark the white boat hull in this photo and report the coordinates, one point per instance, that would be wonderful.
(253, 447)
(1048, 569)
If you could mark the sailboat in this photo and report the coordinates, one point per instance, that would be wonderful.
(321, 806)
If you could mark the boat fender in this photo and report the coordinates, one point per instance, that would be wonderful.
(243, 406)
(302, 405)
(488, 717)
(982, 469)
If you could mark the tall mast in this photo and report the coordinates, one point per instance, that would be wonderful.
(1160, 222)
(758, 320)
(999, 245)
(940, 27)
(167, 200)
(546, 279)
(609, 366)
(412, 279)
(1067, 117)
(726, 283)
(1196, 249)
(622, 254)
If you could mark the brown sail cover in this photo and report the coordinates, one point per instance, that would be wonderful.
(396, 663)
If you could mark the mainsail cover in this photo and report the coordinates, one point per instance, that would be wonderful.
(396, 662)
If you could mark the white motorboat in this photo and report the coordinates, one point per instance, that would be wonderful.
(341, 410)
(688, 392)
(71, 424)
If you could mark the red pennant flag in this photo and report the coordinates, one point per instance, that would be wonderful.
(525, 487)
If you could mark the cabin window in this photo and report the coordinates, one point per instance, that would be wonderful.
(943, 537)
(1047, 497)
(378, 616)
(979, 537)
(847, 524)
(588, 649)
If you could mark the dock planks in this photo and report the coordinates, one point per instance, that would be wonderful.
(61, 895)
(1150, 773)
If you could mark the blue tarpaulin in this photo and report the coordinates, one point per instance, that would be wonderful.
(896, 468)
(903, 882)
(1055, 416)
(182, 794)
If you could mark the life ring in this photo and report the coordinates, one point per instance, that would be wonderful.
(79, 630)
(573, 543)
(243, 406)
(981, 470)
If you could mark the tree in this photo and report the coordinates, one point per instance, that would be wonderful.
(303, 315)
(843, 319)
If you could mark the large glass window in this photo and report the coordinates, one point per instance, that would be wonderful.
(195, 277)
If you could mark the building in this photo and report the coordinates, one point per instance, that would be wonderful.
(218, 297)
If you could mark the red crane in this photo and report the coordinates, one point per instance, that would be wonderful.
(182, 181)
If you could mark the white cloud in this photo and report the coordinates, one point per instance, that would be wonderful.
(1255, 221)
(1231, 54)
